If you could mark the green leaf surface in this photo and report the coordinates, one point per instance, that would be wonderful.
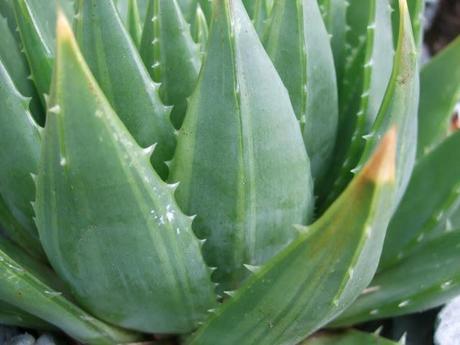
(20, 143)
(429, 277)
(439, 92)
(13, 316)
(22, 289)
(335, 18)
(170, 54)
(16, 65)
(319, 274)
(399, 107)
(200, 31)
(36, 20)
(118, 68)
(298, 44)
(361, 106)
(109, 225)
(206, 6)
(433, 191)
(351, 337)
(188, 8)
(134, 22)
(240, 159)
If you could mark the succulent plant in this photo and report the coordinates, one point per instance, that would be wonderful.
(224, 172)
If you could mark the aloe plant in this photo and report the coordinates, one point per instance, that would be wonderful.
(224, 172)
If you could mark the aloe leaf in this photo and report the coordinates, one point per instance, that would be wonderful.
(188, 8)
(421, 210)
(439, 92)
(16, 65)
(241, 162)
(206, 6)
(118, 68)
(22, 289)
(320, 273)
(109, 194)
(399, 107)
(200, 30)
(361, 107)
(335, 18)
(35, 21)
(416, 12)
(134, 22)
(7, 11)
(13, 316)
(170, 54)
(298, 44)
(429, 277)
(350, 337)
(20, 142)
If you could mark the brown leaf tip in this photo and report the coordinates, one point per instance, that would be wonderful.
(382, 165)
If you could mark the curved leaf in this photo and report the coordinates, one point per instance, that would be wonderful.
(429, 277)
(13, 316)
(433, 191)
(363, 103)
(335, 18)
(241, 163)
(22, 289)
(319, 274)
(298, 44)
(20, 143)
(36, 26)
(200, 30)
(439, 92)
(109, 225)
(134, 22)
(170, 54)
(399, 107)
(348, 338)
(16, 65)
(118, 68)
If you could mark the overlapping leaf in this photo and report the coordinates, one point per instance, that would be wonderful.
(429, 277)
(32, 288)
(170, 54)
(320, 273)
(298, 44)
(110, 227)
(348, 338)
(366, 77)
(439, 92)
(118, 68)
(240, 160)
(20, 143)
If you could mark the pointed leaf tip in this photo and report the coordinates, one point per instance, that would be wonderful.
(63, 29)
(382, 167)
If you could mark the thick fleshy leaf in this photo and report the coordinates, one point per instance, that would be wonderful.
(109, 225)
(240, 159)
(439, 92)
(348, 338)
(134, 22)
(20, 143)
(399, 107)
(13, 316)
(170, 54)
(188, 8)
(36, 21)
(429, 277)
(433, 193)
(206, 6)
(298, 44)
(118, 68)
(360, 103)
(335, 18)
(16, 65)
(200, 30)
(320, 273)
(27, 288)
(416, 12)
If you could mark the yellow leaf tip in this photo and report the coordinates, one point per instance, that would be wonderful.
(63, 29)
(382, 165)
(403, 6)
